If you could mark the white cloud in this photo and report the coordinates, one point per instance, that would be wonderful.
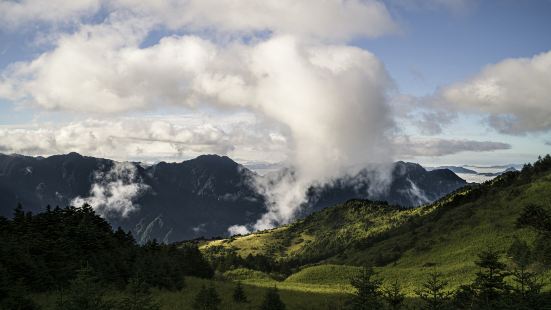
(440, 147)
(114, 191)
(514, 93)
(327, 101)
(238, 230)
(149, 139)
(15, 13)
(331, 19)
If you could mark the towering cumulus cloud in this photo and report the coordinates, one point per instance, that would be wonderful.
(333, 101)
(287, 62)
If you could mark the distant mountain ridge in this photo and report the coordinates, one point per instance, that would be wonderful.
(464, 170)
(189, 199)
(411, 185)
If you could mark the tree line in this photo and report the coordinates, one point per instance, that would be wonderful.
(60, 249)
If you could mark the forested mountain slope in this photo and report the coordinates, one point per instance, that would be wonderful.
(445, 236)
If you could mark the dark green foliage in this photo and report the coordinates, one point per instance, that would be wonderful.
(272, 301)
(539, 219)
(138, 296)
(15, 296)
(490, 290)
(536, 217)
(520, 252)
(45, 250)
(393, 296)
(433, 293)
(542, 250)
(368, 290)
(160, 265)
(224, 259)
(239, 294)
(490, 286)
(85, 292)
(526, 292)
(463, 297)
(207, 299)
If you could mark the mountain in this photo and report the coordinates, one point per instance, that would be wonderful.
(173, 201)
(405, 244)
(190, 199)
(410, 185)
(456, 169)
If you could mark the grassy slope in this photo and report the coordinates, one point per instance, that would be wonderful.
(444, 237)
(322, 235)
(294, 299)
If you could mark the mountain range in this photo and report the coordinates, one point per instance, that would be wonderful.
(200, 197)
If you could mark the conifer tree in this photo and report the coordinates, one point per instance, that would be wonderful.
(272, 301)
(207, 299)
(490, 286)
(367, 286)
(433, 293)
(527, 289)
(138, 296)
(239, 294)
(393, 296)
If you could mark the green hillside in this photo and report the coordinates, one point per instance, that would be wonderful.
(320, 251)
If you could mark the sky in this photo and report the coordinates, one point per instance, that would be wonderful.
(332, 84)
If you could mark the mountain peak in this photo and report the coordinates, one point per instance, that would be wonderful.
(212, 161)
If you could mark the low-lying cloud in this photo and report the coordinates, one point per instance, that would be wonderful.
(114, 192)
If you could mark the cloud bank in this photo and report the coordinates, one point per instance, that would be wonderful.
(441, 147)
(150, 138)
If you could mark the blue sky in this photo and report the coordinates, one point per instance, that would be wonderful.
(440, 55)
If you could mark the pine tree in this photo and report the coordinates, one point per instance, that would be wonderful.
(272, 301)
(368, 294)
(138, 296)
(206, 299)
(433, 293)
(489, 285)
(239, 294)
(393, 296)
(527, 289)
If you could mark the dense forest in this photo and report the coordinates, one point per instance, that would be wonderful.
(56, 250)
